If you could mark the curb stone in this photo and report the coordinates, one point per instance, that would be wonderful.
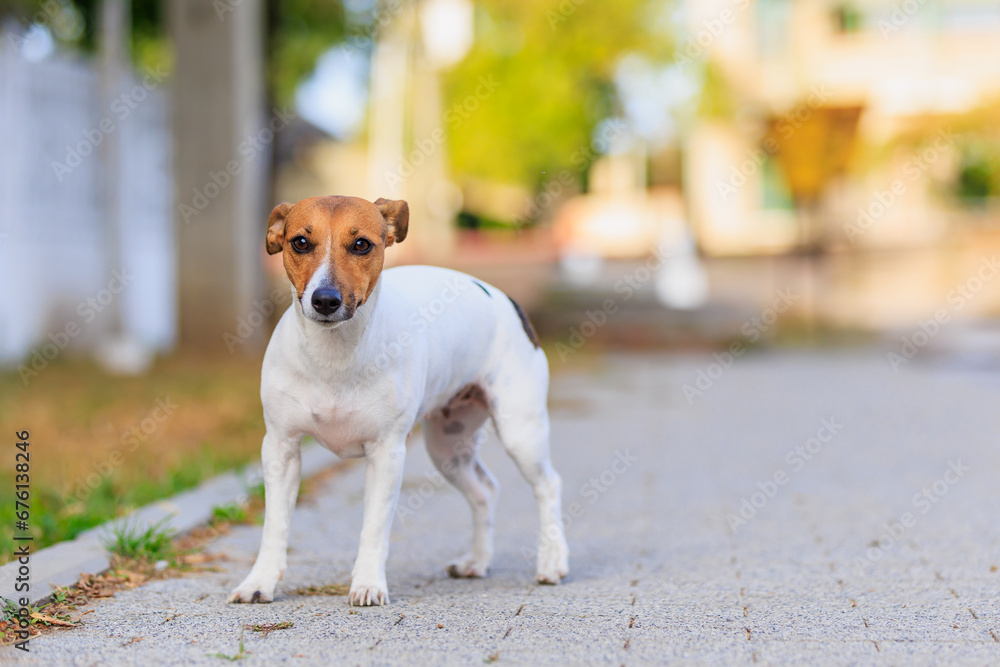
(61, 564)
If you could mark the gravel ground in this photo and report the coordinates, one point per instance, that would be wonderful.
(869, 534)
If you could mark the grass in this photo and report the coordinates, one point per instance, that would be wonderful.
(136, 551)
(103, 445)
(48, 614)
(265, 628)
(249, 512)
(239, 655)
(56, 611)
(131, 541)
(231, 513)
(328, 589)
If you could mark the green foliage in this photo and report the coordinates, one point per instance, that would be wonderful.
(554, 62)
(717, 100)
(266, 628)
(239, 655)
(231, 512)
(134, 542)
(978, 176)
(62, 17)
(299, 32)
(973, 137)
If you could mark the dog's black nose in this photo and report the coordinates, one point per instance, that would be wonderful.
(326, 300)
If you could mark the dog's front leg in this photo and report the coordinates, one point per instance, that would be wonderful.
(383, 477)
(282, 462)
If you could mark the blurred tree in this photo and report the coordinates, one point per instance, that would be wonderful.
(974, 137)
(978, 176)
(554, 61)
(717, 100)
(298, 32)
(525, 102)
(73, 23)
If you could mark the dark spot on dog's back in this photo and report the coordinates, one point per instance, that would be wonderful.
(526, 323)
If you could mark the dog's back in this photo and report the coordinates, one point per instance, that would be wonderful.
(434, 308)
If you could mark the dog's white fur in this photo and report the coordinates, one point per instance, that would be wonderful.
(429, 343)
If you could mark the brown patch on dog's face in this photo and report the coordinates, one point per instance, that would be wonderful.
(336, 246)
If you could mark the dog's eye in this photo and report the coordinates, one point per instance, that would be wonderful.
(361, 246)
(300, 244)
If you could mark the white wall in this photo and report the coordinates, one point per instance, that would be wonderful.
(53, 255)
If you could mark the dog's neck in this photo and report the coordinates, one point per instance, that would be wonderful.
(338, 347)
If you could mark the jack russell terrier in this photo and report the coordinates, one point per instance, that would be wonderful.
(362, 354)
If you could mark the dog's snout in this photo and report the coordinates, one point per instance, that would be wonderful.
(326, 300)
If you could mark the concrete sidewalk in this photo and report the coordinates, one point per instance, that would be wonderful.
(804, 509)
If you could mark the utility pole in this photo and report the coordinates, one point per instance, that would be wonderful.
(118, 352)
(222, 147)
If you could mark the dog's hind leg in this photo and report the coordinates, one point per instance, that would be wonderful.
(518, 399)
(453, 440)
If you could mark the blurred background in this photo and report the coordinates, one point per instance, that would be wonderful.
(649, 174)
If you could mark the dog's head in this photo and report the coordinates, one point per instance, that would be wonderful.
(334, 248)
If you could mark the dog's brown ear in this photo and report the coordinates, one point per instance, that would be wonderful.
(397, 213)
(276, 228)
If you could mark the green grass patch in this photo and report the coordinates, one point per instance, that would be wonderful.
(239, 655)
(229, 513)
(103, 446)
(132, 541)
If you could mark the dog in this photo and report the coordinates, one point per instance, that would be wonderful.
(362, 354)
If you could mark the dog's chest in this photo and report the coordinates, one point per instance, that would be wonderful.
(344, 422)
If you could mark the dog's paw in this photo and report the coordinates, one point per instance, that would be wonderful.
(254, 589)
(368, 595)
(468, 567)
(553, 564)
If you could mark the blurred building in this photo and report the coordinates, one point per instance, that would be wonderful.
(833, 124)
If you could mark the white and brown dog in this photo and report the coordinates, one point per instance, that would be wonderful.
(362, 354)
